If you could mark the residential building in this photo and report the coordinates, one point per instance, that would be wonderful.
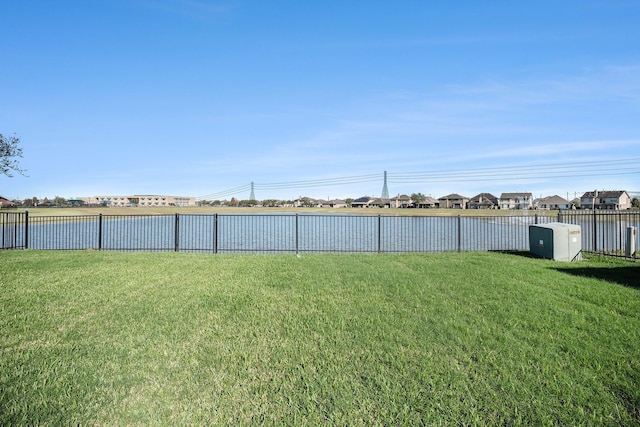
(140, 200)
(453, 201)
(371, 202)
(6, 203)
(428, 202)
(611, 200)
(337, 203)
(362, 202)
(516, 201)
(301, 202)
(401, 201)
(552, 202)
(381, 202)
(483, 201)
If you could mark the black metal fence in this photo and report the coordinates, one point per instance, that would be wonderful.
(13, 230)
(302, 233)
(604, 232)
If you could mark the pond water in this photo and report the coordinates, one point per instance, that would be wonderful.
(282, 233)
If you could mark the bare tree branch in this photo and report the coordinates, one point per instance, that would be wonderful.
(10, 151)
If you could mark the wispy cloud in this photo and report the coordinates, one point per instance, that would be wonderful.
(578, 149)
(451, 128)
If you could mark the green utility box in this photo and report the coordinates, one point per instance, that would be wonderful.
(555, 240)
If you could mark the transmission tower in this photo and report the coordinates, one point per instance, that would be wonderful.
(252, 196)
(385, 190)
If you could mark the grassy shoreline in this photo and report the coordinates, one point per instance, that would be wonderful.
(261, 210)
(483, 338)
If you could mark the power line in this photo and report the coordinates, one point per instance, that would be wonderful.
(525, 172)
(606, 167)
(320, 182)
(511, 177)
(226, 193)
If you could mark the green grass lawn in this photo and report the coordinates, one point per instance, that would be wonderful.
(456, 338)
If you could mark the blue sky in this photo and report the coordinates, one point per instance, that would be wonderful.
(319, 98)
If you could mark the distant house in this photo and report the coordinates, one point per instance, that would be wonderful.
(371, 202)
(362, 202)
(319, 203)
(381, 203)
(552, 202)
(427, 203)
(516, 201)
(611, 200)
(401, 201)
(404, 201)
(337, 203)
(483, 201)
(453, 201)
(6, 203)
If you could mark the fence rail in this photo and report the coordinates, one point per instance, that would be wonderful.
(13, 230)
(302, 233)
(604, 232)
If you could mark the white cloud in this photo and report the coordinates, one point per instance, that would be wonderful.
(578, 149)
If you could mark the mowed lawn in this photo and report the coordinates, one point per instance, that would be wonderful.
(104, 338)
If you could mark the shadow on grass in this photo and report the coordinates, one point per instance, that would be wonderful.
(623, 275)
(626, 275)
(525, 254)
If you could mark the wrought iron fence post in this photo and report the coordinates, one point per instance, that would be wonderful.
(215, 233)
(4, 220)
(99, 232)
(379, 233)
(595, 233)
(26, 229)
(15, 231)
(297, 234)
(177, 233)
(620, 231)
(459, 233)
(535, 221)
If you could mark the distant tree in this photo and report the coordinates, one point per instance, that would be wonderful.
(348, 201)
(9, 152)
(270, 203)
(59, 201)
(233, 202)
(576, 202)
(418, 198)
(635, 202)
